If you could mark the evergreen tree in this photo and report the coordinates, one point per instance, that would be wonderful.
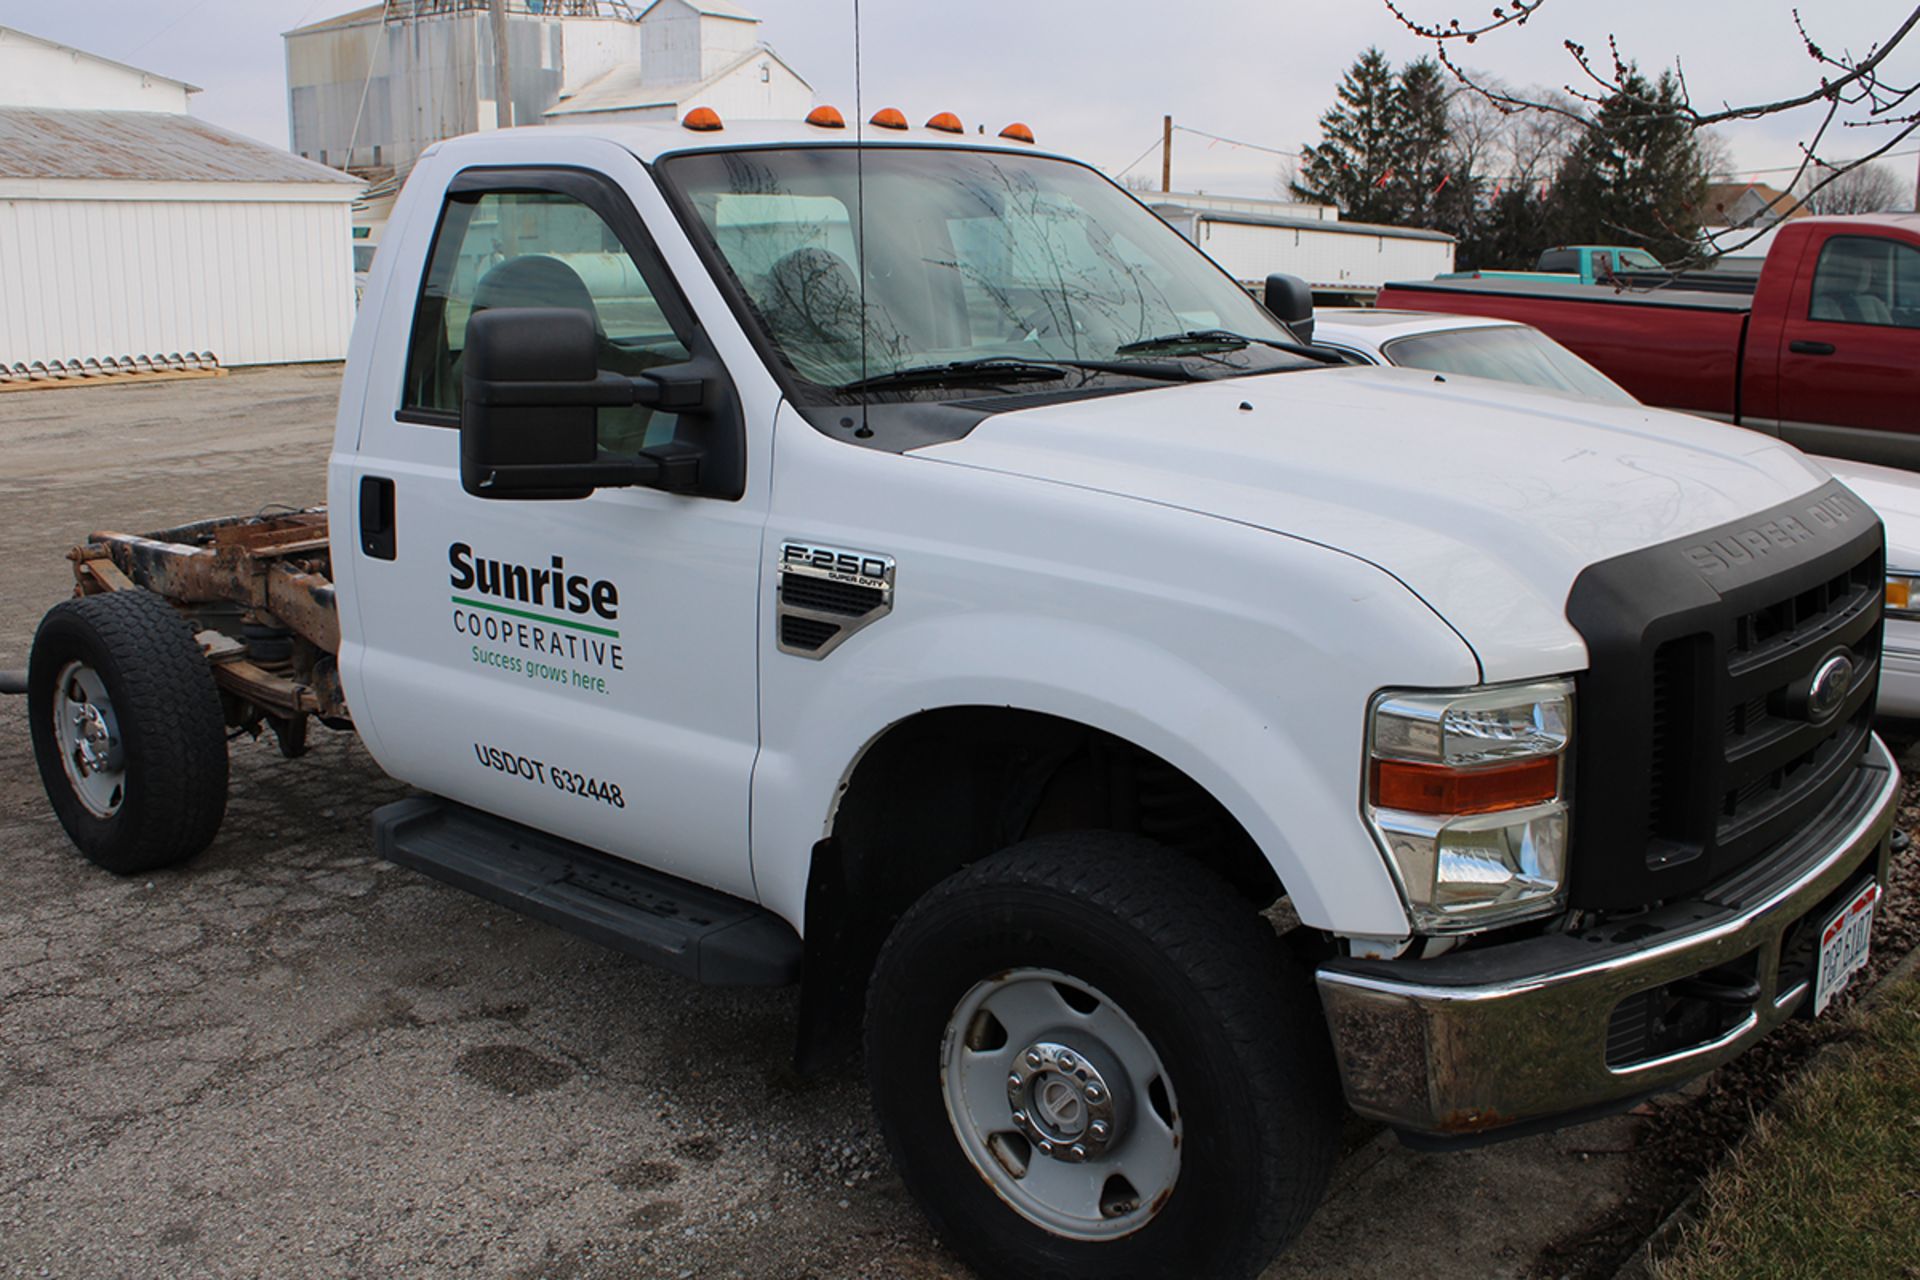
(1386, 152)
(1421, 152)
(1636, 176)
(1351, 167)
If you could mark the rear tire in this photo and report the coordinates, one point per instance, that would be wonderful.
(1024, 992)
(127, 730)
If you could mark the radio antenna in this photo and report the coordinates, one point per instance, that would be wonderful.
(860, 213)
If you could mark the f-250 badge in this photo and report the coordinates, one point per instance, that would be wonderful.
(826, 594)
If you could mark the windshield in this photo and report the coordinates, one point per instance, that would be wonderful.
(1507, 353)
(976, 262)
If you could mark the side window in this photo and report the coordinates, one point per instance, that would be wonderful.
(537, 249)
(1867, 280)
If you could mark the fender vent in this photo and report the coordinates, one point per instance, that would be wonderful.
(828, 593)
(805, 634)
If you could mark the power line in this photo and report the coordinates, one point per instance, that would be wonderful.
(1237, 142)
(178, 18)
(1151, 148)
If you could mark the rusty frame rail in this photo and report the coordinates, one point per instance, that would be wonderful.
(275, 569)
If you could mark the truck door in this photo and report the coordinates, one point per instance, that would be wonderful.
(587, 667)
(1850, 352)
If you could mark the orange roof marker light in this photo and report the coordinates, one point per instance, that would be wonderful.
(1018, 132)
(888, 118)
(826, 118)
(703, 120)
(947, 122)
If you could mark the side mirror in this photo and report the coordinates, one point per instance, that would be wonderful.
(1291, 302)
(531, 389)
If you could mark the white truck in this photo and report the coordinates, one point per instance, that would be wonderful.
(914, 571)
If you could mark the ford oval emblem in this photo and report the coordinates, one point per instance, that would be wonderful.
(1832, 681)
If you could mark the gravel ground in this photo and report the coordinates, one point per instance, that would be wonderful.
(291, 1059)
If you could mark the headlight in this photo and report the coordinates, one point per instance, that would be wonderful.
(1903, 601)
(1466, 793)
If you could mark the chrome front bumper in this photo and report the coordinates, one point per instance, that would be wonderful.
(1516, 1035)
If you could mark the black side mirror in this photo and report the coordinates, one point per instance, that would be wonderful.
(1291, 302)
(531, 389)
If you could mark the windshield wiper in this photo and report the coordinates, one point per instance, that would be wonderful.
(1224, 339)
(991, 369)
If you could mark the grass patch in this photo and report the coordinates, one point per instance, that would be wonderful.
(1829, 1184)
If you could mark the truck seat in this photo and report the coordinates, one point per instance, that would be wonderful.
(535, 281)
(1843, 290)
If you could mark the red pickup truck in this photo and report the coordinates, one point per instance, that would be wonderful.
(1824, 351)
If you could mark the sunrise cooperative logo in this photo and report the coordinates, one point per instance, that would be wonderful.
(555, 618)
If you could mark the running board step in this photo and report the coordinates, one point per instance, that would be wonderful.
(694, 931)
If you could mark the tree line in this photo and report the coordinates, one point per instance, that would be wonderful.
(1414, 147)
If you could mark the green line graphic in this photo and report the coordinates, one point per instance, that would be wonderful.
(536, 617)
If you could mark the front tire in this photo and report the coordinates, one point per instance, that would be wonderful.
(1091, 1059)
(127, 730)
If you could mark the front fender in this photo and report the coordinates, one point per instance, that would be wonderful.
(1244, 658)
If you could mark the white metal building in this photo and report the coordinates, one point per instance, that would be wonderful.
(694, 53)
(1251, 239)
(373, 88)
(138, 231)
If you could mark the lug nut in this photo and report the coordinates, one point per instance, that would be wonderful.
(1066, 1061)
(1046, 1148)
(1098, 1130)
(1079, 1152)
(1095, 1093)
(1033, 1058)
(1013, 1083)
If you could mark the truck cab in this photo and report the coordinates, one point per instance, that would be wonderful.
(891, 560)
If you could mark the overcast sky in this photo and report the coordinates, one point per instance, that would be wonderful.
(1092, 76)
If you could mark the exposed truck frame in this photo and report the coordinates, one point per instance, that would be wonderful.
(268, 574)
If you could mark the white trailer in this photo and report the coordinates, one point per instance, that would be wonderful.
(1336, 259)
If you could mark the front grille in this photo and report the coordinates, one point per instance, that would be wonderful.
(1698, 750)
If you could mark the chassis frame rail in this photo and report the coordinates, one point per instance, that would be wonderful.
(269, 574)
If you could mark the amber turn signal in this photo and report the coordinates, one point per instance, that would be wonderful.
(1412, 787)
(888, 118)
(1899, 593)
(1017, 132)
(703, 120)
(826, 118)
(947, 122)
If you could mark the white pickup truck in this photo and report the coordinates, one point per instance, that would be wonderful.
(916, 572)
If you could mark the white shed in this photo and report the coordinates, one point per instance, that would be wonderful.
(694, 53)
(141, 232)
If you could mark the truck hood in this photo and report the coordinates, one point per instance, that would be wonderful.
(1485, 499)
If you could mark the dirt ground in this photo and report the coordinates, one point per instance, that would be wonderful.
(290, 1059)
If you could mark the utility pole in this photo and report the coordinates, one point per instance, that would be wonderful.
(502, 77)
(1166, 153)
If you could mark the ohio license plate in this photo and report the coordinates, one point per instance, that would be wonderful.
(1843, 947)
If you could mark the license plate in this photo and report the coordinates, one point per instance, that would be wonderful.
(1843, 947)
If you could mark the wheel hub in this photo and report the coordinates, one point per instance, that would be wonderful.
(93, 748)
(1062, 1102)
(87, 731)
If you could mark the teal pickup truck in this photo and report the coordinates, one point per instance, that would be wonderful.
(1586, 263)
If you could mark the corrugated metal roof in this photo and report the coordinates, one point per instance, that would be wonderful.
(369, 14)
(142, 146)
(1299, 224)
(94, 57)
(626, 88)
(710, 9)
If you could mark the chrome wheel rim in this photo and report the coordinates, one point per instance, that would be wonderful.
(1061, 1104)
(88, 733)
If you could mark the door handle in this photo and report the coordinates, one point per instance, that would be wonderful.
(1804, 348)
(376, 517)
